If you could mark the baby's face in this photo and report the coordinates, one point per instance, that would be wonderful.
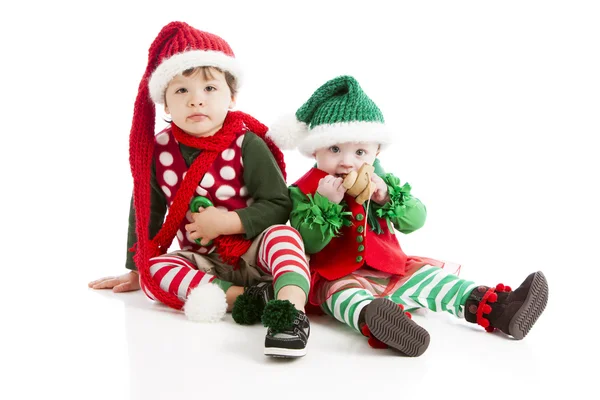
(341, 158)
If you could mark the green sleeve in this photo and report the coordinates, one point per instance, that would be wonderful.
(404, 211)
(158, 209)
(317, 219)
(265, 184)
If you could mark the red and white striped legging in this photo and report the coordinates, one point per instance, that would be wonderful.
(280, 254)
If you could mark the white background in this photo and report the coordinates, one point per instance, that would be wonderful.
(495, 107)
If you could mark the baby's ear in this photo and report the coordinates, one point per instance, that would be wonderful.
(232, 102)
(167, 109)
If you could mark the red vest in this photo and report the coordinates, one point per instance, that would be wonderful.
(223, 183)
(356, 246)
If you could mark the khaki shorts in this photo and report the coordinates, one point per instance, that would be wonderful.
(247, 274)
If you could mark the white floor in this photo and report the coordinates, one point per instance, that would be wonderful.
(100, 345)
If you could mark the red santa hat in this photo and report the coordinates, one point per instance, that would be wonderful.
(180, 47)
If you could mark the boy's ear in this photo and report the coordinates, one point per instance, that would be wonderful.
(167, 109)
(232, 102)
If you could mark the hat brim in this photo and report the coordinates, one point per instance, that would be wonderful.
(178, 63)
(326, 135)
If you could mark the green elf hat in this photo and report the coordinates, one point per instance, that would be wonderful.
(337, 112)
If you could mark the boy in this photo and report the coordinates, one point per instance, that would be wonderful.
(235, 236)
(360, 275)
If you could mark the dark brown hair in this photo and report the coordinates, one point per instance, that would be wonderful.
(208, 74)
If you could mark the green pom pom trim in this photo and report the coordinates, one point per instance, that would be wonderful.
(247, 310)
(327, 215)
(396, 207)
(279, 315)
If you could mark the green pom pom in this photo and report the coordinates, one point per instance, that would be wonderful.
(247, 310)
(279, 315)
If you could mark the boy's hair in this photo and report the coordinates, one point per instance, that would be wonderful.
(207, 73)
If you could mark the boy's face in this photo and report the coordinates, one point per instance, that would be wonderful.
(342, 158)
(199, 105)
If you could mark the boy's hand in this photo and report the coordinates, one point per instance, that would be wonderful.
(380, 195)
(332, 188)
(208, 224)
(122, 283)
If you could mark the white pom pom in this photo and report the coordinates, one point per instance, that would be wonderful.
(206, 303)
(287, 132)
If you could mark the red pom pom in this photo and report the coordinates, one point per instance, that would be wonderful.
(377, 344)
(365, 330)
(507, 289)
(500, 287)
(492, 298)
(484, 322)
(487, 309)
(490, 329)
(401, 307)
(409, 315)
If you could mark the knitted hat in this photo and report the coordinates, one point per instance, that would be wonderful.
(337, 112)
(180, 47)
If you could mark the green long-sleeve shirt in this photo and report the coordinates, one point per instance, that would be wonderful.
(316, 238)
(262, 177)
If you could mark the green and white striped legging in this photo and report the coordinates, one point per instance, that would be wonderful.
(429, 287)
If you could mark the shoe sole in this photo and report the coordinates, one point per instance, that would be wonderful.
(532, 307)
(284, 353)
(388, 323)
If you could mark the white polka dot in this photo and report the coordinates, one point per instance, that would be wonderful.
(179, 235)
(166, 190)
(202, 250)
(201, 191)
(170, 177)
(222, 208)
(227, 173)
(212, 249)
(208, 180)
(163, 138)
(228, 154)
(165, 158)
(188, 237)
(249, 201)
(244, 191)
(239, 141)
(186, 248)
(184, 174)
(242, 161)
(188, 216)
(225, 192)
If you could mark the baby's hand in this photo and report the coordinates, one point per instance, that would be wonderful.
(380, 195)
(122, 283)
(207, 224)
(332, 188)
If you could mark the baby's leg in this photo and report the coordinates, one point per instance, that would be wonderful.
(433, 288)
(346, 306)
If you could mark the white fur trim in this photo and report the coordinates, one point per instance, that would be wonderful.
(206, 303)
(322, 136)
(178, 63)
(287, 132)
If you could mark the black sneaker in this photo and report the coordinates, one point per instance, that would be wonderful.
(285, 339)
(248, 307)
